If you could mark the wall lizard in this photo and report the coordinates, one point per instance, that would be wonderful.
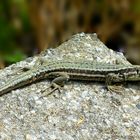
(62, 71)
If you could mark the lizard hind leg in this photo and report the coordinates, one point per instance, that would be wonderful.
(58, 82)
(112, 81)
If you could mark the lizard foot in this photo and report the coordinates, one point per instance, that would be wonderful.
(115, 88)
(54, 86)
(58, 82)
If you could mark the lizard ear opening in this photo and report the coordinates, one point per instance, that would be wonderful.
(25, 69)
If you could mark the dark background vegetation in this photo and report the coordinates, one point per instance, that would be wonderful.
(29, 26)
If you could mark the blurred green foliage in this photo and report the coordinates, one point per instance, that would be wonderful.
(116, 21)
(14, 23)
(136, 6)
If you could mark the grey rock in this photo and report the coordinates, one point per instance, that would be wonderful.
(82, 111)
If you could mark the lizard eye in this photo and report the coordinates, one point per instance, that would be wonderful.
(138, 71)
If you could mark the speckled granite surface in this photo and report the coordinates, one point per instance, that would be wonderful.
(82, 111)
